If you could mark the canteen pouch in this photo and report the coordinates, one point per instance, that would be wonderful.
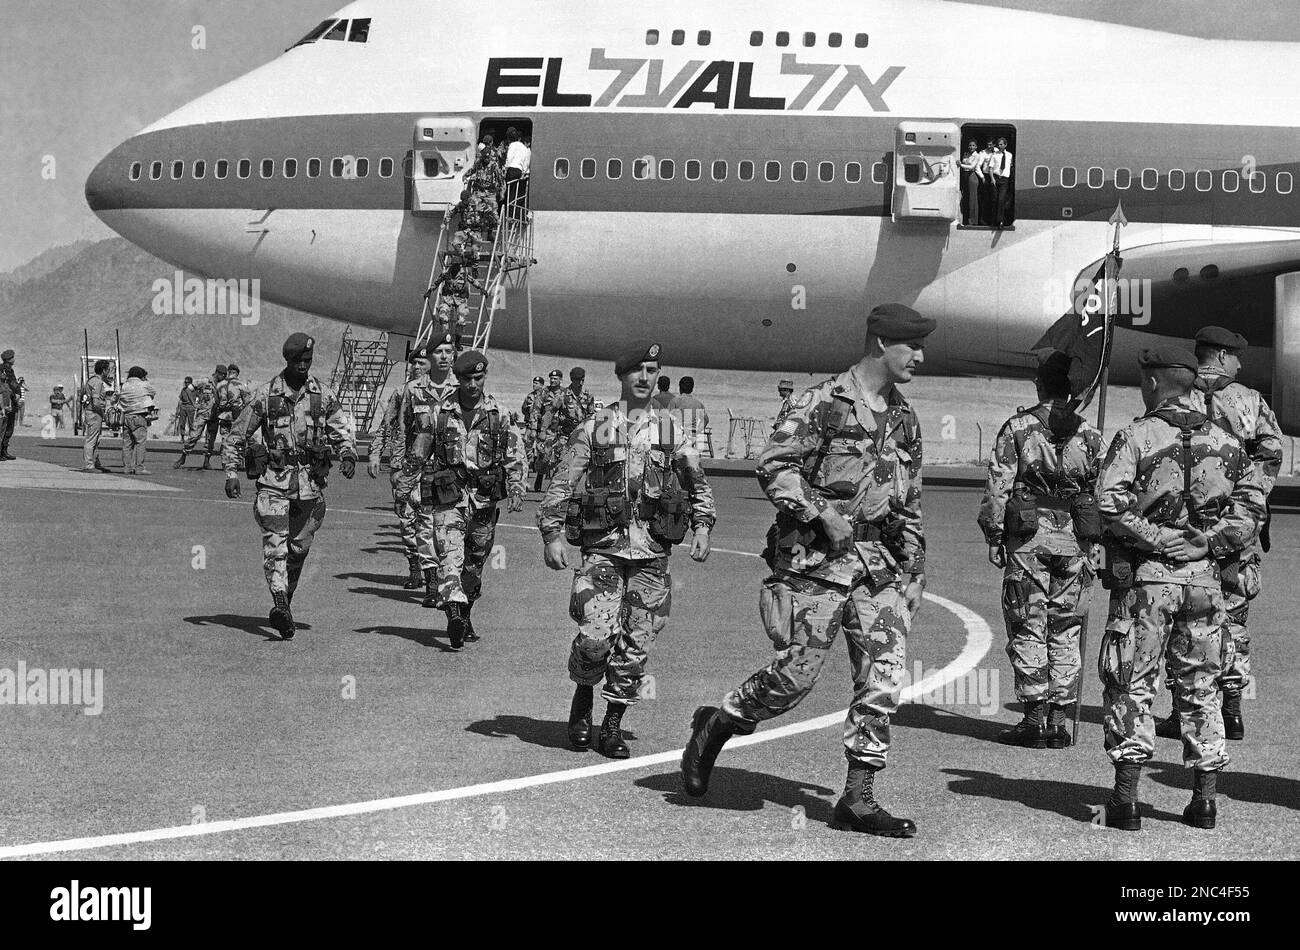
(491, 484)
(1086, 516)
(440, 488)
(573, 521)
(668, 523)
(1022, 517)
(256, 460)
(318, 460)
(1118, 572)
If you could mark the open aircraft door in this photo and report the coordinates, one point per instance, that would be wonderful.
(927, 184)
(442, 150)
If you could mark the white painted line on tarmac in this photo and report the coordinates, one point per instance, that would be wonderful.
(978, 640)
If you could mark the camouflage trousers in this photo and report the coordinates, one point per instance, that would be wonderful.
(288, 527)
(1045, 606)
(546, 451)
(802, 617)
(463, 541)
(620, 606)
(452, 307)
(1184, 626)
(405, 509)
(1236, 604)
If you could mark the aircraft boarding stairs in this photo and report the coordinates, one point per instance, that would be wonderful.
(360, 376)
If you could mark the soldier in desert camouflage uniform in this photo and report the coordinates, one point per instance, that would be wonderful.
(1039, 517)
(526, 412)
(1243, 412)
(847, 553)
(625, 490)
(555, 416)
(586, 401)
(1180, 499)
(298, 421)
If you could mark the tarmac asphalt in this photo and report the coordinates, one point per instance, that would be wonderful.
(218, 740)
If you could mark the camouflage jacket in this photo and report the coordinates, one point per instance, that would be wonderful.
(484, 176)
(230, 397)
(387, 423)
(586, 404)
(1025, 460)
(471, 453)
(527, 409)
(557, 412)
(290, 428)
(417, 404)
(1244, 413)
(636, 442)
(786, 404)
(1140, 492)
(870, 473)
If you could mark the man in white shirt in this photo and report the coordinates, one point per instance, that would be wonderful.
(1001, 171)
(518, 158)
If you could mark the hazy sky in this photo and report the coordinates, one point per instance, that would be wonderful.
(77, 77)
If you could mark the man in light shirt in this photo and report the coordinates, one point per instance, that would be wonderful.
(1000, 169)
(518, 159)
(137, 405)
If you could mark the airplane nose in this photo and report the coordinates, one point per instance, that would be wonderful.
(107, 183)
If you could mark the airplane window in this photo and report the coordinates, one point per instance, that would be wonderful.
(291, 168)
(783, 38)
(879, 170)
(745, 171)
(223, 168)
(772, 171)
(810, 39)
(1284, 183)
(313, 168)
(642, 168)
(1123, 178)
(1042, 176)
(692, 169)
(336, 168)
(360, 30)
(1204, 180)
(1258, 182)
(588, 168)
(860, 41)
(1096, 177)
(155, 171)
(178, 169)
(853, 172)
(719, 171)
(135, 171)
(1150, 178)
(1069, 176)
(432, 165)
(561, 168)
(651, 37)
(268, 167)
(200, 168)
(316, 33)
(705, 37)
(826, 171)
(245, 168)
(799, 171)
(756, 38)
(834, 40)
(667, 169)
(339, 32)
(385, 168)
(1231, 181)
(362, 167)
(614, 168)
(679, 37)
(1177, 179)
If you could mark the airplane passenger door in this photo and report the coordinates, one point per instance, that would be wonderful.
(926, 182)
(443, 149)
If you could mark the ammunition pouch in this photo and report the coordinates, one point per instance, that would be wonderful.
(1021, 517)
(491, 483)
(256, 460)
(1120, 570)
(596, 511)
(1230, 572)
(670, 516)
(317, 459)
(439, 488)
(573, 521)
(1086, 516)
(446, 446)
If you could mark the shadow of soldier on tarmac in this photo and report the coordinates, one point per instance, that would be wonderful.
(743, 790)
(255, 626)
(424, 636)
(549, 734)
(1072, 800)
(1238, 786)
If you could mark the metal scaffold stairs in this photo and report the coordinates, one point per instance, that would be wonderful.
(360, 375)
(500, 263)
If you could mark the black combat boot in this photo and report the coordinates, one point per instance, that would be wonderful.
(456, 624)
(610, 742)
(1172, 727)
(1030, 731)
(281, 616)
(470, 635)
(430, 588)
(1234, 727)
(1201, 811)
(857, 809)
(415, 578)
(580, 717)
(710, 729)
(180, 462)
(1122, 810)
(1058, 733)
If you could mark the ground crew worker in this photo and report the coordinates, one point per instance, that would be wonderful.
(15, 388)
(136, 400)
(625, 490)
(1039, 516)
(526, 416)
(95, 399)
(1180, 501)
(208, 419)
(784, 389)
(58, 401)
(556, 415)
(847, 552)
(298, 420)
(411, 440)
(476, 460)
(1244, 413)
(431, 361)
